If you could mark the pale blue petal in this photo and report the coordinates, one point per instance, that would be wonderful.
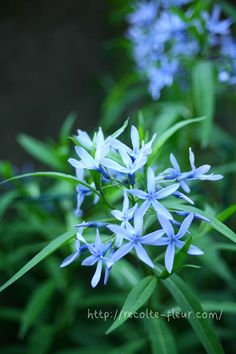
(121, 252)
(165, 192)
(184, 186)
(89, 261)
(151, 181)
(201, 170)
(117, 214)
(98, 242)
(180, 195)
(161, 210)
(192, 159)
(144, 207)
(174, 163)
(134, 138)
(88, 160)
(75, 163)
(130, 212)
(84, 139)
(139, 163)
(194, 251)
(68, 260)
(142, 255)
(107, 271)
(125, 158)
(125, 202)
(138, 193)
(169, 257)
(185, 226)
(138, 221)
(151, 238)
(118, 145)
(112, 165)
(119, 240)
(166, 225)
(97, 275)
(210, 177)
(118, 230)
(163, 241)
(79, 172)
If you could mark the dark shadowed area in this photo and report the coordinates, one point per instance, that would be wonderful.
(51, 58)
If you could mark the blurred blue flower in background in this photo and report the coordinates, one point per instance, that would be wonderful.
(164, 41)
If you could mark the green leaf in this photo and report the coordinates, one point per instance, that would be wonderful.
(167, 134)
(116, 102)
(38, 301)
(137, 297)
(41, 151)
(216, 224)
(45, 252)
(204, 96)
(67, 126)
(58, 175)
(190, 305)
(6, 200)
(129, 348)
(161, 337)
(212, 306)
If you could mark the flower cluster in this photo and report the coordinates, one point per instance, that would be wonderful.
(166, 38)
(107, 163)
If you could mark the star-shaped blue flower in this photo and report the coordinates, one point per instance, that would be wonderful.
(99, 255)
(133, 234)
(171, 240)
(151, 196)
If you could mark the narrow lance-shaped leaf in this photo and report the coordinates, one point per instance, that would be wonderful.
(58, 175)
(137, 297)
(204, 97)
(192, 309)
(216, 224)
(167, 134)
(38, 301)
(161, 337)
(45, 252)
(41, 151)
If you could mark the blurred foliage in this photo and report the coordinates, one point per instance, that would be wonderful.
(47, 310)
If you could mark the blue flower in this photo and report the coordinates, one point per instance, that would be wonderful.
(165, 41)
(133, 234)
(137, 150)
(78, 249)
(200, 172)
(144, 13)
(196, 172)
(172, 240)
(87, 160)
(92, 152)
(214, 25)
(152, 196)
(130, 166)
(82, 192)
(126, 213)
(98, 252)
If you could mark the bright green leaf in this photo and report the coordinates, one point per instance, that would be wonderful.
(137, 297)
